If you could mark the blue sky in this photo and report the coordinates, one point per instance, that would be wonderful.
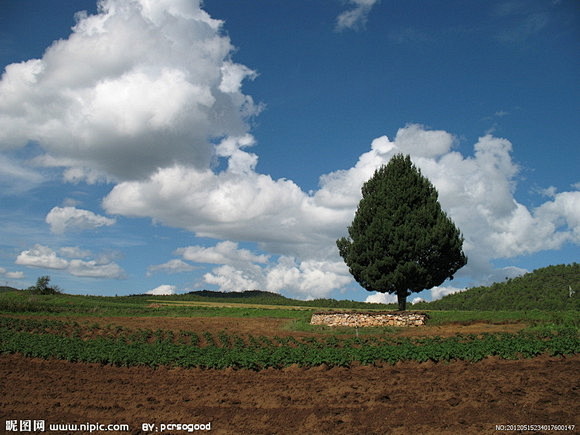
(171, 146)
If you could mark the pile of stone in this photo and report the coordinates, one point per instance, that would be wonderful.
(396, 318)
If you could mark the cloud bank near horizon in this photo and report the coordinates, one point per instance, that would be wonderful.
(145, 96)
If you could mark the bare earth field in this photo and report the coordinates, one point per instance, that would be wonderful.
(268, 326)
(407, 398)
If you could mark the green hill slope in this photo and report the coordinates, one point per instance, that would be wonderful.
(547, 288)
(269, 298)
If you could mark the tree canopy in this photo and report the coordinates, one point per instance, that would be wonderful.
(42, 287)
(400, 240)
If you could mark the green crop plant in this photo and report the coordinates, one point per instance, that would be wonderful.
(73, 341)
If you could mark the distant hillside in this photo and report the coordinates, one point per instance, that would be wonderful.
(4, 288)
(253, 294)
(269, 298)
(544, 289)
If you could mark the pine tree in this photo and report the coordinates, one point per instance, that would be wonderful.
(400, 240)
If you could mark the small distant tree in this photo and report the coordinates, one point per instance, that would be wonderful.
(400, 240)
(42, 287)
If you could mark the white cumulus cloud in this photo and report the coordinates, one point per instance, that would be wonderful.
(230, 205)
(438, 292)
(137, 86)
(94, 269)
(241, 269)
(63, 219)
(41, 256)
(164, 289)
(12, 275)
(234, 279)
(223, 253)
(46, 258)
(381, 298)
(307, 279)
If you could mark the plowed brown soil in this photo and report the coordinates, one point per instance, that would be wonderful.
(269, 326)
(408, 398)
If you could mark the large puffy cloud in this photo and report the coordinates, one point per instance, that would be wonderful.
(234, 204)
(478, 193)
(41, 256)
(94, 269)
(381, 298)
(138, 86)
(234, 279)
(62, 219)
(307, 278)
(44, 257)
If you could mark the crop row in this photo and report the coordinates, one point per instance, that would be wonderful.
(106, 350)
(88, 330)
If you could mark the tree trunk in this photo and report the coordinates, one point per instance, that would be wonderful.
(402, 299)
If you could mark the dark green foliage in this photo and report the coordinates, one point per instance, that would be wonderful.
(42, 287)
(247, 294)
(547, 288)
(400, 240)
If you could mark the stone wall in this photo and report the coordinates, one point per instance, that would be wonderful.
(399, 318)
